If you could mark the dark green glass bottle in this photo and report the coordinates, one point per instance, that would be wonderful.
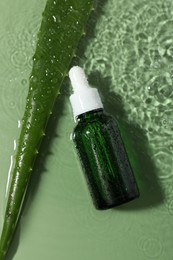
(102, 154)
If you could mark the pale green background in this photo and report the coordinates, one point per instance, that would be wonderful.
(128, 54)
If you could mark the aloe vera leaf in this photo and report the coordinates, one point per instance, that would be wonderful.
(61, 29)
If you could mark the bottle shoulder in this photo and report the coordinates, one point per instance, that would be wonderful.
(96, 124)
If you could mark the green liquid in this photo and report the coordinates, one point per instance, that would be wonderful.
(104, 160)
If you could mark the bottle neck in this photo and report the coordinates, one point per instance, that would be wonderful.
(84, 98)
(90, 115)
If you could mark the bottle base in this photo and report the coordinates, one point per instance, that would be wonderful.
(116, 204)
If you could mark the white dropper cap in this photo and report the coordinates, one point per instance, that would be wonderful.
(84, 98)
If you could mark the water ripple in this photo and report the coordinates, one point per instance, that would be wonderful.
(136, 55)
(151, 247)
(163, 160)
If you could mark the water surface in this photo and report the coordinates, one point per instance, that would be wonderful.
(129, 57)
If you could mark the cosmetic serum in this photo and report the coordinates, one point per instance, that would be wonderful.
(99, 146)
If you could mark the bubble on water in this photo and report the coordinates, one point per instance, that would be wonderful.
(163, 160)
(12, 104)
(24, 82)
(151, 247)
(19, 59)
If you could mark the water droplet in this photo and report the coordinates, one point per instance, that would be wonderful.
(19, 124)
(9, 175)
(12, 104)
(54, 18)
(24, 82)
(33, 79)
(15, 144)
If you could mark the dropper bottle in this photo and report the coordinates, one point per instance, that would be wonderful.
(99, 146)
